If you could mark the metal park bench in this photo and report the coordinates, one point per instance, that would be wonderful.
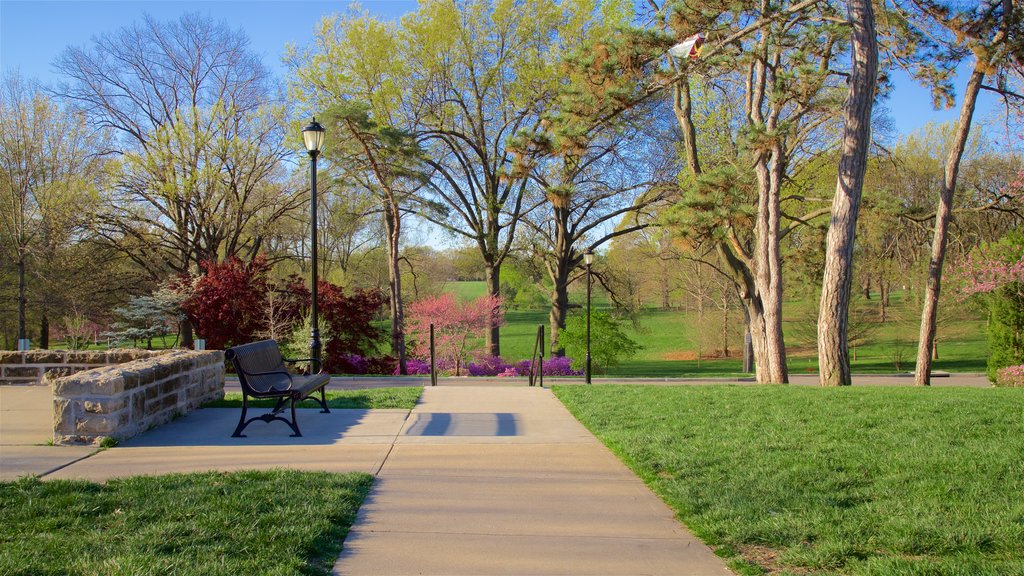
(262, 374)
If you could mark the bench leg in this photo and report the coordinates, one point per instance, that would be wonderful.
(323, 401)
(294, 423)
(241, 421)
(268, 418)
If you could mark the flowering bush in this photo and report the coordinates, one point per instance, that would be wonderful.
(352, 364)
(456, 325)
(556, 366)
(488, 366)
(994, 274)
(1010, 377)
(415, 366)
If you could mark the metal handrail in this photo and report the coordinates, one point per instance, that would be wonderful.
(537, 359)
(433, 368)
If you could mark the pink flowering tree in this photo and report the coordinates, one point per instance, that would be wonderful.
(457, 326)
(994, 274)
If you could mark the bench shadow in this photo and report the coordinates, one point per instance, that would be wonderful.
(214, 426)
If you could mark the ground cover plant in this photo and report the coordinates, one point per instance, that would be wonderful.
(881, 481)
(373, 398)
(272, 522)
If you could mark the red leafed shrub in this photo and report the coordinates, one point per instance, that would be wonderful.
(231, 304)
(226, 303)
(346, 323)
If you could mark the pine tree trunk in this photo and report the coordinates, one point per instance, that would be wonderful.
(393, 228)
(926, 339)
(833, 315)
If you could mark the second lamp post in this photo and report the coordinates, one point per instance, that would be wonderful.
(588, 259)
(313, 137)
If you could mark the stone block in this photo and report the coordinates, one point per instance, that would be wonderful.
(45, 357)
(152, 407)
(60, 371)
(138, 406)
(106, 406)
(63, 416)
(96, 382)
(22, 371)
(151, 392)
(90, 357)
(7, 357)
(96, 425)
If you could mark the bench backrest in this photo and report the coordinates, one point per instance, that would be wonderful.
(256, 357)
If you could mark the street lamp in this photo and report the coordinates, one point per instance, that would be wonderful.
(588, 259)
(313, 136)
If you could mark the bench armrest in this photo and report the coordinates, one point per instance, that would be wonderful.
(319, 367)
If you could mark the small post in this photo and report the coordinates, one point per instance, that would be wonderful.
(540, 336)
(433, 369)
(748, 353)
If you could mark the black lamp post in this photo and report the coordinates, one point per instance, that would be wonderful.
(588, 259)
(313, 136)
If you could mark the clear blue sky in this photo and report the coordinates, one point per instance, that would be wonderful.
(33, 33)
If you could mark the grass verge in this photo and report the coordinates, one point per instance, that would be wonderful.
(372, 398)
(274, 522)
(880, 481)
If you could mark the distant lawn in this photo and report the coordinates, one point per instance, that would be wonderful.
(880, 481)
(277, 522)
(374, 398)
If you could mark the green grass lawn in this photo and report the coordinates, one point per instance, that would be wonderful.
(880, 481)
(375, 398)
(277, 522)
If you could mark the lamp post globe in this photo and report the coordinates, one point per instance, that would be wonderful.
(313, 138)
(588, 259)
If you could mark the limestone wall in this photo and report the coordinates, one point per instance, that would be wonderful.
(30, 367)
(123, 400)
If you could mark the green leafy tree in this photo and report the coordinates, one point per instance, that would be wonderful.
(609, 343)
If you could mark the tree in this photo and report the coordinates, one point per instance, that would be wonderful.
(995, 271)
(993, 32)
(373, 119)
(49, 171)
(833, 347)
(771, 67)
(587, 189)
(455, 325)
(199, 145)
(609, 342)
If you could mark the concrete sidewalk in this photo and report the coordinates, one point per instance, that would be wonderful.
(474, 480)
(503, 480)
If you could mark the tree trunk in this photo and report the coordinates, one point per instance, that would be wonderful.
(769, 343)
(393, 228)
(21, 296)
(187, 336)
(833, 315)
(492, 279)
(926, 339)
(559, 312)
(44, 332)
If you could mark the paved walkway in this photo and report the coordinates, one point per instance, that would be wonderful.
(474, 480)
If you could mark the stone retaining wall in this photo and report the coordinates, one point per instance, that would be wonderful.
(123, 400)
(30, 367)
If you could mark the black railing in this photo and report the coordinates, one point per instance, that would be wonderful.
(537, 360)
(433, 367)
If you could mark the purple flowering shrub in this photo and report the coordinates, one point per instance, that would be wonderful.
(556, 366)
(488, 366)
(415, 366)
(1010, 377)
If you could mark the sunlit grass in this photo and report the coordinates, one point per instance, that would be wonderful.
(881, 481)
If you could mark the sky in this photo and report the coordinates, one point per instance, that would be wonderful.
(33, 34)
